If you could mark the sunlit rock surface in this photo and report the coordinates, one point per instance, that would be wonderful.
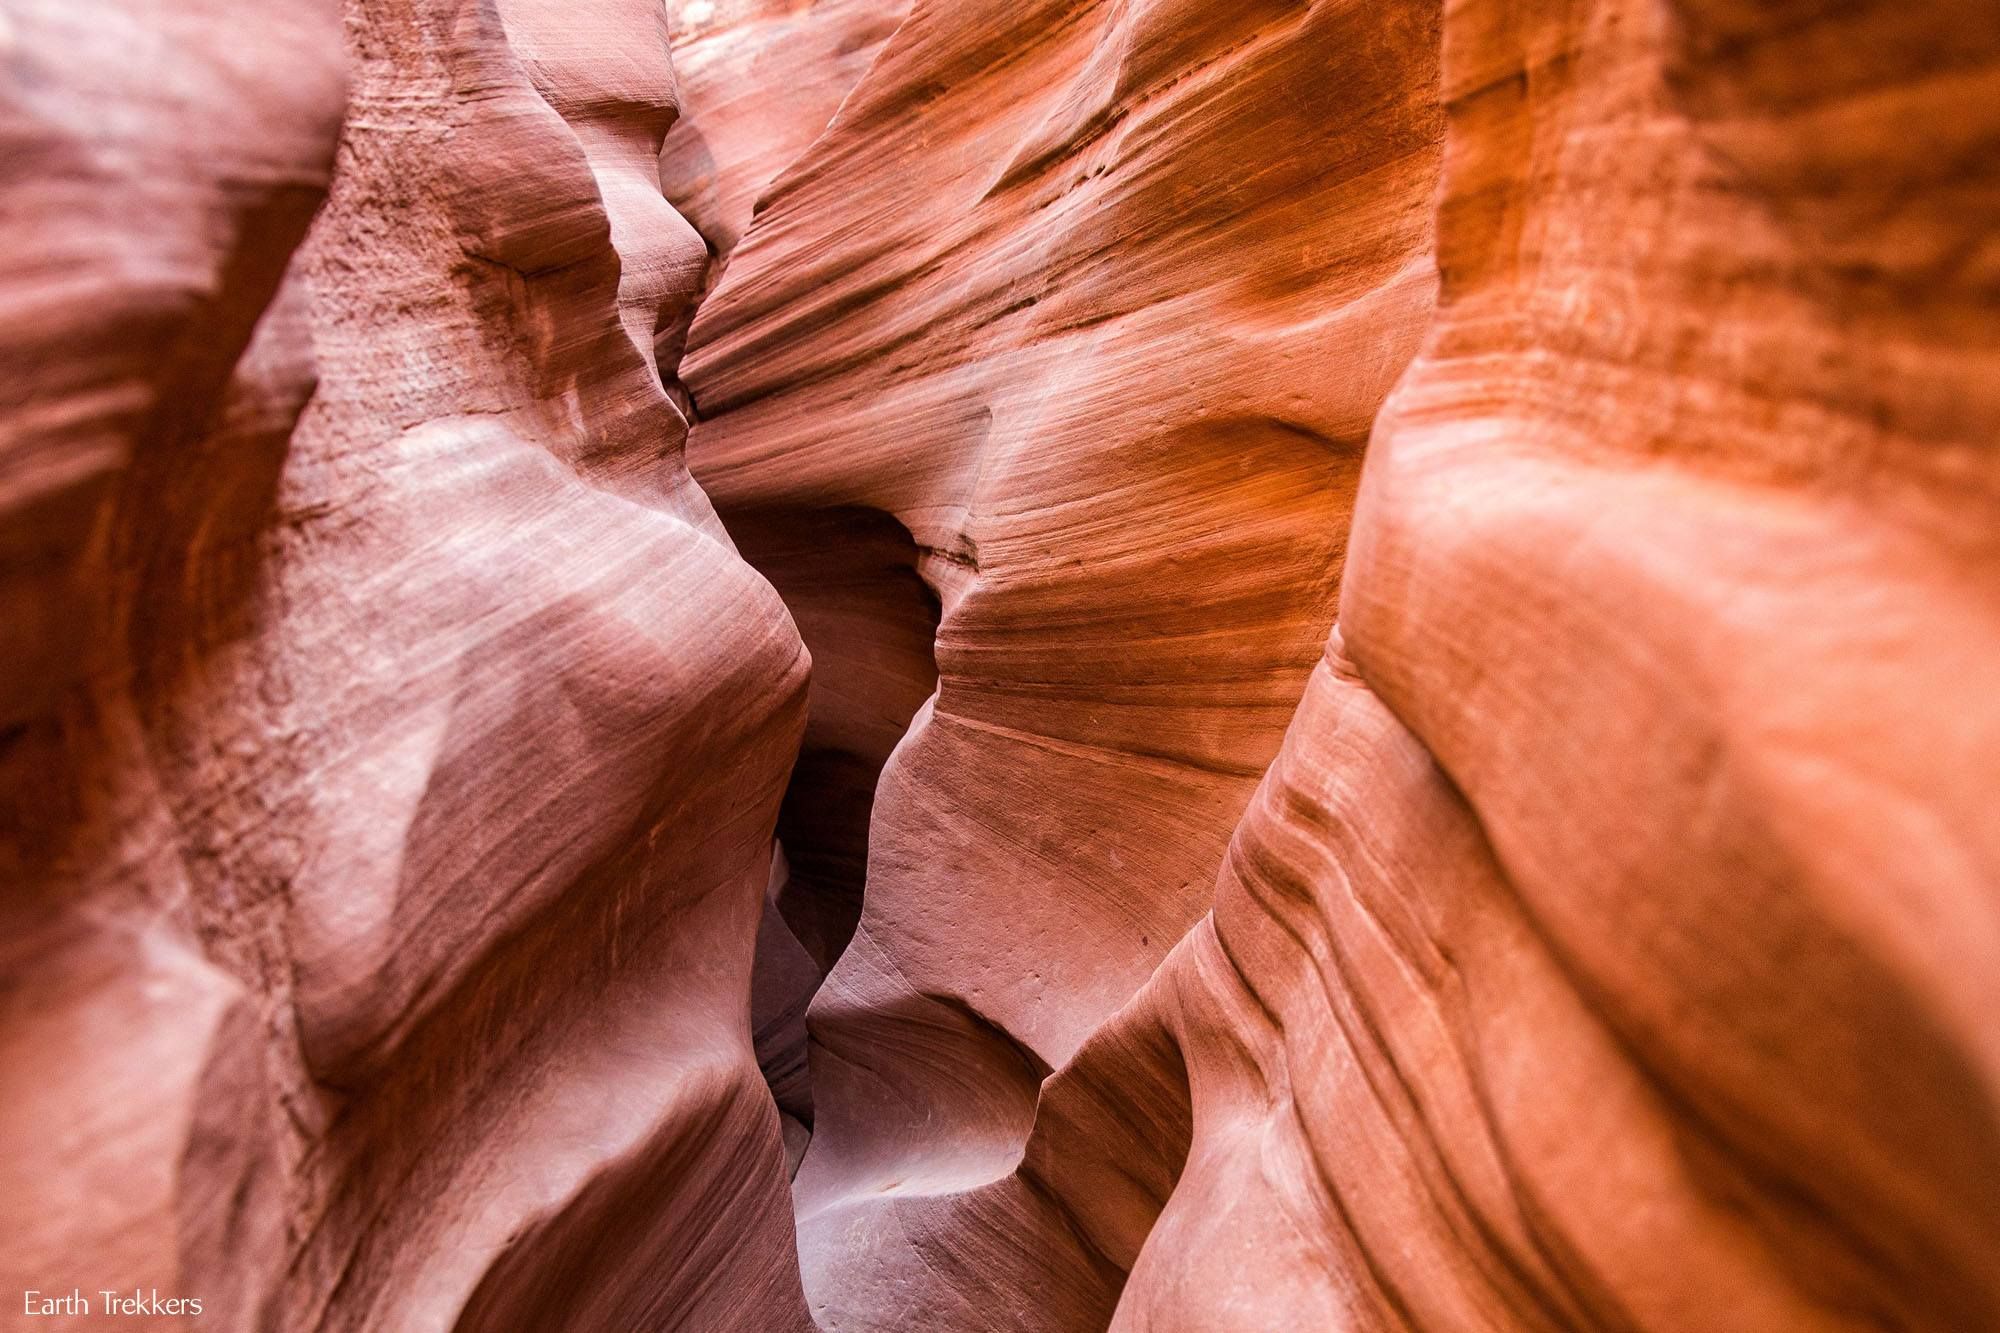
(759, 81)
(1676, 550)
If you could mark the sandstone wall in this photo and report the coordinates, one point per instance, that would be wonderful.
(1609, 944)
(1316, 664)
(392, 849)
(1091, 307)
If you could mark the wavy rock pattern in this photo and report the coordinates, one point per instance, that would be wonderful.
(148, 226)
(948, 325)
(759, 81)
(453, 881)
(1606, 947)
(412, 832)
(1727, 469)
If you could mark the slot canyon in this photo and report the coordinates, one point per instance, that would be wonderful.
(1000, 666)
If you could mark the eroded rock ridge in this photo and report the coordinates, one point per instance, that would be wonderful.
(1310, 664)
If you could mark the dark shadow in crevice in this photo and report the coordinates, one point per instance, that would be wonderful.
(849, 577)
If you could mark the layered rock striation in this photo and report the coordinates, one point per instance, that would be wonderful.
(1314, 664)
(1606, 946)
(396, 847)
(1091, 306)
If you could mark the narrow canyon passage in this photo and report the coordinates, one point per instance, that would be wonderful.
(1033, 666)
(1135, 573)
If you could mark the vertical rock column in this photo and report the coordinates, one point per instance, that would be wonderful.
(1615, 941)
(411, 809)
(159, 164)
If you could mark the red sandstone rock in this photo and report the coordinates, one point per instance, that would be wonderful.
(1095, 305)
(1598, 930)
(1676, 1008)
(147, 224)
(759, 81)
(1727, 469)
(407, 823)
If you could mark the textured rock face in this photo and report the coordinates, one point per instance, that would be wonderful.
(759, 81)
(396, 851)
(148, 224)
(1735, 492)
(1607, 946)
(1597, 927)
(1092, 306)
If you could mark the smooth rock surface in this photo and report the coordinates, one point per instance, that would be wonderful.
(1677, 550)
(461, 860)
(147, 225)
(1608, 945)
(759, 81)
(397, 849)
(1091, 306)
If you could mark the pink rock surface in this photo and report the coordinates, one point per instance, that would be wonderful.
(147, 226)
(398, 848)
(759, 81)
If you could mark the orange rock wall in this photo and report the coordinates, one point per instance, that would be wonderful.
(1608, 945)
(1094, 305)
(1314, 665)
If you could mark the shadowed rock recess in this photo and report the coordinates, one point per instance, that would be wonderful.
(1311, 664)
